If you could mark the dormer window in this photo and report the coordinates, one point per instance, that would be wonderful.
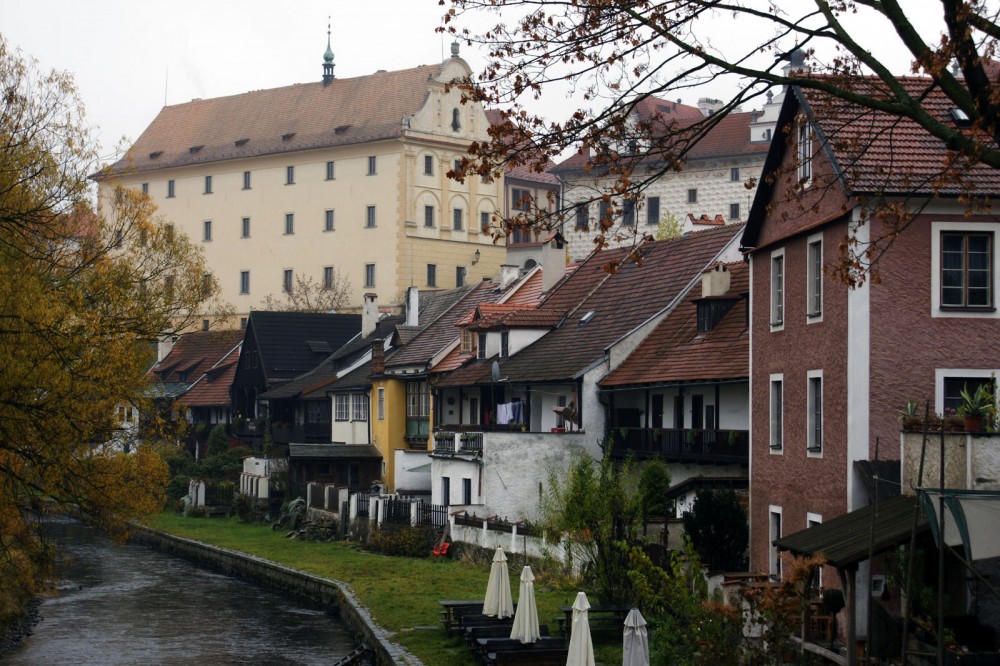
(959, 117)
(804, 155)
(481, 346)
(711, 312)
(585, 319)
(505, 344)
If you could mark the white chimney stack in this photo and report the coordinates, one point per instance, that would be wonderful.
(508, 274)
(369, 314)
(412, 306)
(716, 281)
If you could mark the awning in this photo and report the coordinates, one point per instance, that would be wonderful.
(971, 519)
(845, 540)
(422, 469)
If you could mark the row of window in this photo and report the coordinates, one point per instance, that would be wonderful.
(248, 176)
(288, 278)
(628, 208)
(457, 218)
(350, 407)
(814, 412)
(814, 283)
(432, 280)
(429, 165)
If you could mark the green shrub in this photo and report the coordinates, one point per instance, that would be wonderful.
(218, 442)
(247, 509)
(402, 540)
(177, 487)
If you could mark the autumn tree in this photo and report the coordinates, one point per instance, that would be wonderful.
(613, 56)
(84, 291)
(307, 295)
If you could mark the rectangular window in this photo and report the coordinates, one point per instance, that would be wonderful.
(341, 407)
(289, 175)
(460, 276)
(466, 491)
(693, 195)
(456, 219)
(814, 278)
(953, 387)
(628, 213)
(734, 174)
(774, 533)
(458, 165)
(431, 275)
(653, 210)
(418, 400)
(370, 217)
(804, 154)
(244, 282)
(289, 224)
(481, 345)
(521, 199)
(330, 173)
(466, 341)
(286, 280)
(328, 220)
(371, 165)
(484, 221)
(170, 189)
(505, 344)
(381, 404)
(246, 180)
(966, 270)
(206, 230)
(604, 215)
(814, 399)
(328, 277)
(428, 216)
(245, 230)
(776, 412)
(359, 407)
(145, 188)
(777, 289)
(428, 165)
(369, 275)
(734, 211)
(582, 217)
(208, 184)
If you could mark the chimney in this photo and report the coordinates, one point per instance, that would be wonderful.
(378, 357)
(164, 346)
(508, 274)
(412, 306)
(553, 262)
(369, 314)
(715, 281)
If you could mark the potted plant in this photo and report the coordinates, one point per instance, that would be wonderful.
(909, 419)
(976, 405)
(952, 421)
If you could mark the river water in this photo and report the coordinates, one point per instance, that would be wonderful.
(133, 605)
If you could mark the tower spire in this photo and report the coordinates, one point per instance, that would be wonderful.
(328, 57)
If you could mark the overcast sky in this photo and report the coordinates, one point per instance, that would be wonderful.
(129, 56)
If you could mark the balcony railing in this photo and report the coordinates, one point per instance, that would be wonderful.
(461, 442)
(312, 433)
(682, 444)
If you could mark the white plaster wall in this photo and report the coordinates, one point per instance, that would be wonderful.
(546, 398)
(455, 469)
(513, 543)
(408, 480)
(522, 337)
(734, 411)
(858, 385)
(985, 468)
(350, 432)
(516, 469)
(594, 413)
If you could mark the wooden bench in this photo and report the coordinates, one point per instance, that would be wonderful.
(603, 619)
(454, 608)
(484, 647)
(527, 656)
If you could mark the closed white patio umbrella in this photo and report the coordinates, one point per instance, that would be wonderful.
(498, 602)
(635, 642)
(581, 647)
(526, 627)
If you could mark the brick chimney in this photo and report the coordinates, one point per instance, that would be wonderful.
(378, 357)
(369, 314)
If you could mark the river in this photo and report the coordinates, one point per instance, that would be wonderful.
(133, 605)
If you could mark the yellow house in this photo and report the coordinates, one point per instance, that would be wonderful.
(329, 180)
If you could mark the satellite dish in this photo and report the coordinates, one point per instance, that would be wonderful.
(496, 372)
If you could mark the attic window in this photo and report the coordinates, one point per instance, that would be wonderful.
(286, 137)
(195, 149)
(711, 312)
(960, 117)
(585, 319)
(153, 155)
(341, 129)
(240, 142)
(319, 346)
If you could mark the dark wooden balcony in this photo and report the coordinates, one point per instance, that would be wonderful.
(716, 447)
(307, 433)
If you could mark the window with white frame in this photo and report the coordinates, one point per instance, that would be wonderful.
(460, 273)
(207, 230)
(734, 211)
(734, 174)
(481, 345)
(814, 520)
(466, 341)
(431, 275)
(289, 224)
(380, 396)
(245, 228)
(289, 175)
(428, 165)
(814, 276)
(330, 170)
(170, 189)
(342, 407)
(966, 269)
(777, 411)
(328, 277)
(582, 217)
(804, 154)
(370, 217)
(652, 210)
(428, 216)
(208, 184)
(774, 533)
(244, 282)
(457, 222)
(246, 180)
(418, 400)
(814, 406)
(369, 275)
(359, 407)
(777, 288)
(371, 165)
(484, 220)
(693, 195)
(286, 280)
(504, 344)
(328, 220)
(952, 386)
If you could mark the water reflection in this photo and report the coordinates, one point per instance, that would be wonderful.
(132, 605)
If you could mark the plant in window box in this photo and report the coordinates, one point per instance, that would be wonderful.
(952, 422)
(909, 419)
(976, 406)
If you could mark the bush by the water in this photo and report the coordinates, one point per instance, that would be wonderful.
(402, 540)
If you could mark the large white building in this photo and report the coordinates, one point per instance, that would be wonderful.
(333, 178)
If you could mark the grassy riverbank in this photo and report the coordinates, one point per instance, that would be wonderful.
(401, 593)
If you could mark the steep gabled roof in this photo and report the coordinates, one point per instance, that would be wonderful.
(194, 354)
(602, 306)
(212, 388)
(278, 120)
(676, 352)
(283, 339)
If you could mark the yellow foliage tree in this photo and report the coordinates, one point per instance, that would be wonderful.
(83, 293)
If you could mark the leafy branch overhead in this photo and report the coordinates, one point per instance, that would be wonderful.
(619, 63)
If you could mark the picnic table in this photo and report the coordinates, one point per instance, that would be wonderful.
(602, 619)
(453, 609)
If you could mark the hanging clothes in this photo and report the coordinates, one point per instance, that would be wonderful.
(515, 412)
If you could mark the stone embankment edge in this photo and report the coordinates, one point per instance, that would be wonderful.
(326, 591)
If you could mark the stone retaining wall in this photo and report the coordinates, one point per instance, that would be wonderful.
(323, 590)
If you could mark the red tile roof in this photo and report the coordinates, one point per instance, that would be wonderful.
(676, 352)
(212, 389)
(195, 353)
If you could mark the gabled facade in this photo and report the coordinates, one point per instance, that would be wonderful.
(340, 177)
(831, 365)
